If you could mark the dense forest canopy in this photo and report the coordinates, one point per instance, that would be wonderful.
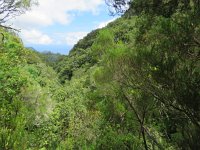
(134, 84)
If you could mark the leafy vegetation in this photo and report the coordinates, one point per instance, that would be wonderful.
(134, 84)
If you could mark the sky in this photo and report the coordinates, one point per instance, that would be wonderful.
(56, 25)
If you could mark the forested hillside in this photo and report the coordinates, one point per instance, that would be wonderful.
(132, 85)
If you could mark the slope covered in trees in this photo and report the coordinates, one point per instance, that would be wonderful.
(134, 84)
(27, 93)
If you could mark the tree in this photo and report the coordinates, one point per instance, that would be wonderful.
(117, 6)
(165, 8)
(12, 8)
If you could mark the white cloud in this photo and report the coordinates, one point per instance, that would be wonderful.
(36, 37)
(73, 37)
(105, 23)
(50, 12)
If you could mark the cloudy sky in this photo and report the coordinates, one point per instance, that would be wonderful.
(56, 25)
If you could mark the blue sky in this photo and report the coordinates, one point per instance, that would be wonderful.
(56, 25)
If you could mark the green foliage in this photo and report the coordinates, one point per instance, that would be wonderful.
(131, 85)
(50, 58)
(26, 89)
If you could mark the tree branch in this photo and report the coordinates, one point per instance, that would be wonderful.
(9, 28)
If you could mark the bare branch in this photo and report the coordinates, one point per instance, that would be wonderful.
(2, 37)
(117, 6)
(9, 28)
